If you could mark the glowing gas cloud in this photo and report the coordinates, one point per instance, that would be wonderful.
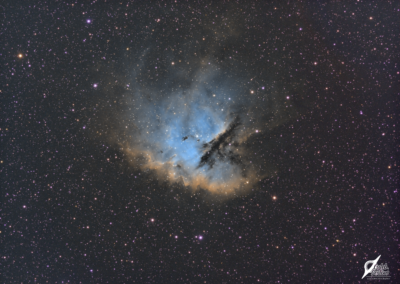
(193, 135)
(189, 112)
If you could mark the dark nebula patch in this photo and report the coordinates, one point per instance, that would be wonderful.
(219, 147)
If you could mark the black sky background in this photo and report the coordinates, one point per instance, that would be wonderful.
(76, 210)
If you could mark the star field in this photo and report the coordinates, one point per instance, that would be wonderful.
(199, 142)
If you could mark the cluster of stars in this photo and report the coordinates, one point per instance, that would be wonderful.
(323, 107)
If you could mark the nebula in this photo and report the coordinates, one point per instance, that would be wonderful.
(192, 136)
(186, 112)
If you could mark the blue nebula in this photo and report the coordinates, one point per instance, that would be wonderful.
(175, 130)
